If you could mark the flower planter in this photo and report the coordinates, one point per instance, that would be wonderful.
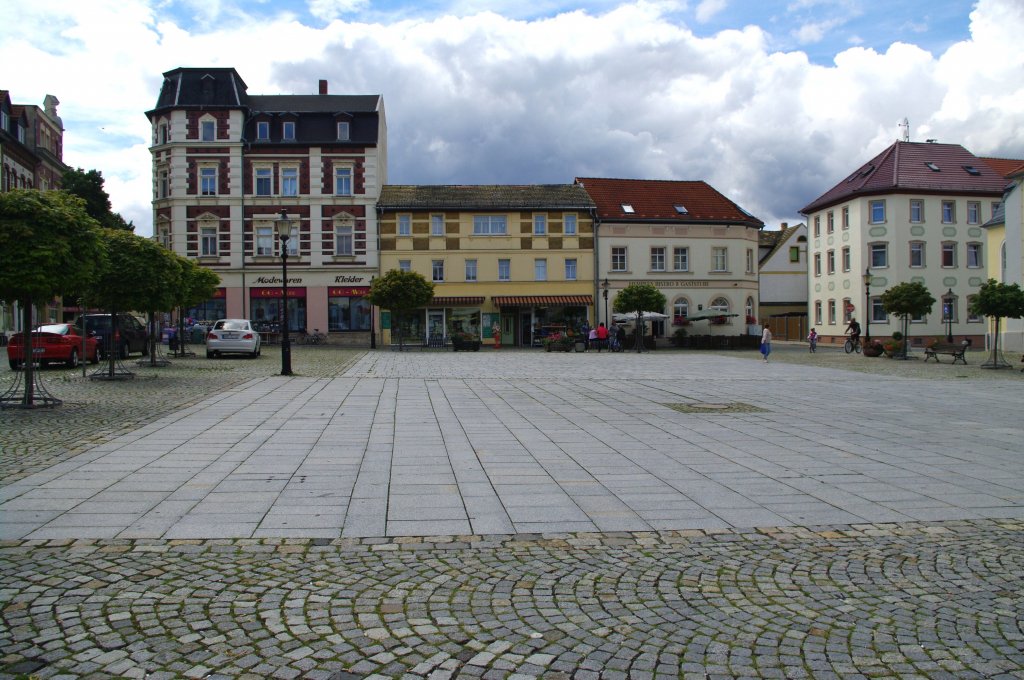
(465, 345)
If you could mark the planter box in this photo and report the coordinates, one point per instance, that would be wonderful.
(465, 345)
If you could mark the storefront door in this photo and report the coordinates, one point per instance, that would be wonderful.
(435, 323)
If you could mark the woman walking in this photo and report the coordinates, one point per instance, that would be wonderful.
(766, 342)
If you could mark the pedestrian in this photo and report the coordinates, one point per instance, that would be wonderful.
(602, 336)
(620, 337)
(613, 337)
(592, 339)
(766, 342)
(812, 338)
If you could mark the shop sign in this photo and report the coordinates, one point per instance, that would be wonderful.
(676, 284)
(352, 291)
(271, 280)
(276, 292)
(220, 293)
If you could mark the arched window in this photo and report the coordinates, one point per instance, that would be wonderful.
(749, 310)
(720, 304)
(680, 309)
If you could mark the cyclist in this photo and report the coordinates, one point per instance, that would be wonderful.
(854, 330)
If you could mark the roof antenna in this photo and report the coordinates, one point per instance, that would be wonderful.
(905, 130)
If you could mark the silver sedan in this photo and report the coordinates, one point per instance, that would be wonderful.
(235, 336)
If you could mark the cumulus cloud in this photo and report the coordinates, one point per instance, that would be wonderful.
(329, 10)
(630, 92)
(707, 9)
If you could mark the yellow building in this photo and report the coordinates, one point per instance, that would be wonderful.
(1005, 250)
(511, 259)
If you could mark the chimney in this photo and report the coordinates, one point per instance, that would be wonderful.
(785, 225)
(323, 87)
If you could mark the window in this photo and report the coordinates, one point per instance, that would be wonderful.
(830, 261)
(165, 185)
(948, 212)
(719, 260)
(343, 239)
(164, 234)
(570, 269)
(437, 226)
(846, 258)
(794, 253)
(681, 308)
(619, 259)
(681, 259)
(293, 240)
(878, 311)
(208, 130)
(404, 266)
(817, 226)
(343, 181)
(264, 179)
(949, 310)
(817, 312)
(471, 270)
(163, 135)
(263, 130)
(437, 270)
(540, 225)
(877, 211)
(405, 225)
(916, 210)
(879, 254)
(917, 254)
(749, 308)
(846, 217)
(489, 225)
(569, 225)
(288, 130)
(208, 239)
(343, 132)
(832, 312)
(971, 316)
(540, 270)
(817, 264)
(264, 240)
(504, 270)
(847, 310)
(628, 209)
(750, 260)
(831, 228)
(658, 259)
(720, 304)
(974, 255)
(289, 181)
(949, 254)
(973, 212)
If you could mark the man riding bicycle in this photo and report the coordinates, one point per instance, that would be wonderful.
(854, 330)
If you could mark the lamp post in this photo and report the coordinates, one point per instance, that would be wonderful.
(604, 289)
(868, 311)
(373, 336)
(947, 308)
(284, 228)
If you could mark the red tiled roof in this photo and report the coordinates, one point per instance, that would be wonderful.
(1005, 166)
(455, 301)
(907, 167)
(540, 300)
(656, 200)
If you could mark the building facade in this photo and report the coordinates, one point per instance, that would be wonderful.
(1005, 253)
(686, 239)
(228, 165)
(913, 213)
(782, 281)
(516, 259)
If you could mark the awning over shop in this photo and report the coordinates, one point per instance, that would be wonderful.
(542, 300)
(456, 301)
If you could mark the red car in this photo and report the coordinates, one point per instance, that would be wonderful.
(59, 342)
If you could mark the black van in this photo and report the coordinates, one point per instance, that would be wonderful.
(131, 334)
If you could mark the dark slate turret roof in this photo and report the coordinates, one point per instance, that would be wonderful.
(484, 197)
(205, 87)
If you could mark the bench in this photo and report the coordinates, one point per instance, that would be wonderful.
(956, 351)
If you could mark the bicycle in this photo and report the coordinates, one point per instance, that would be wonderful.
(852, 345)
(314, 338)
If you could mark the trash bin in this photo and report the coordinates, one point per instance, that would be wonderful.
(172, 342)
(197, 335)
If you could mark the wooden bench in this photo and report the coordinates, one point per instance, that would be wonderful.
(956, 351)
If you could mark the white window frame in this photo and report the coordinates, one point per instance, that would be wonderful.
(830, 261)
(490, 225)
(437, 225)
(973, 212)
(876, 212)
(877, 310)
(879, 248)
(919, 248)
(344, 131)
(570, 269)
(681, 259)
(847, 258)
(540, 225)
(916, 205)
(619, 259)
(289, 181)
(437, 271)
(504, 269)
(817, 226)
(343, 180)
(344, 238)
(657, 258)
(208, 126)
(164, 184)
(405, 265)
(288, 130)
(262, 130)
(817, 313)
(750, 261)
(405, 225)
(208, 180)
(948, 212)
(830, 222)
(949, 252)
(264, 175)
(831, 312)
(719, 259)
(208, 241)
(846, 217)
(975, 255)
(540, 269)
(570, 224)
(817, 264)
(265, 240)
(471, 270)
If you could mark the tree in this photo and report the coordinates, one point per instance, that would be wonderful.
(88, 185)
(197, 284)
(907, 300)
(399, 292)
(49, 245)
(639, 298)
(163, 274)
(998, 301)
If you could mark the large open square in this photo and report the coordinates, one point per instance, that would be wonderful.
(527, 514)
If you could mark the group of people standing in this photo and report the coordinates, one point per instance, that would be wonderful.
(602, 337)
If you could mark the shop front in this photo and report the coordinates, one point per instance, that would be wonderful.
(348, 310)
(265, 309)
(527, 319)
(211, 310)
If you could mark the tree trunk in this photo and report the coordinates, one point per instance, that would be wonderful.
(27, 355)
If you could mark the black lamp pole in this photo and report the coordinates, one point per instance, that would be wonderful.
(373, 336)
(947, 299)
(604, 286)
(867, 308)
(283, 233)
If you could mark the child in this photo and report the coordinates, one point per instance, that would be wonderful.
(812, 338)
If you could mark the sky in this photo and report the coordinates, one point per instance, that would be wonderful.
(770, 101)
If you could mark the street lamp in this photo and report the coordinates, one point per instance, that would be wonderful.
(373, 337)
(947, 308)
(284, 229)
(867, 307)
(604, 288)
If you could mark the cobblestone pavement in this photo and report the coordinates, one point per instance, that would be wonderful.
(937, 594)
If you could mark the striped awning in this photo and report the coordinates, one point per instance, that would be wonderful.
(455, 301)
(542, 300)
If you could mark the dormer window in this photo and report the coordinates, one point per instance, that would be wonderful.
(288, 130)
(343, 132)
(628, 208)
(263, 130)
(681, 209)
(931, 166)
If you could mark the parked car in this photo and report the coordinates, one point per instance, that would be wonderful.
(131, 333)
(59, 342)
(232, 336)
